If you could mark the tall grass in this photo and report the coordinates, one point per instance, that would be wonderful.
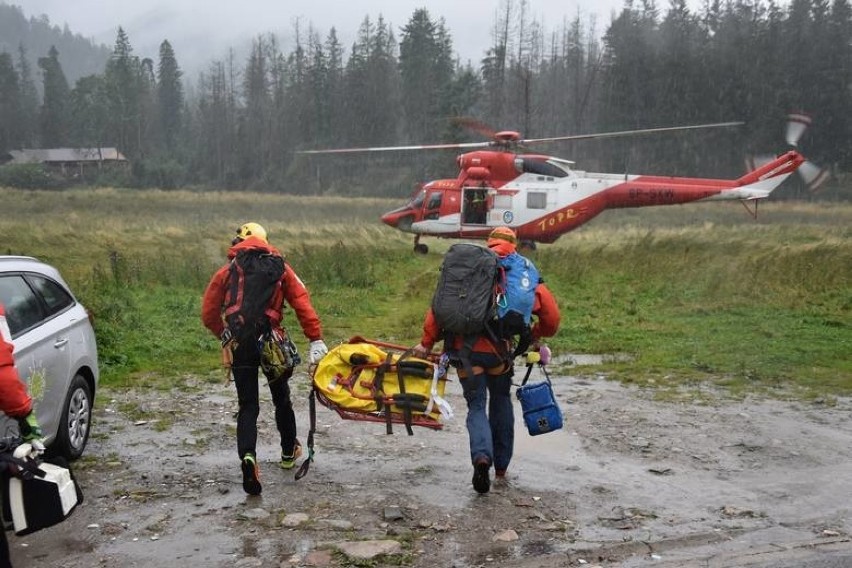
(691, 293)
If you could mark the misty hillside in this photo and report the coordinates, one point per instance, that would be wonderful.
(79, 56)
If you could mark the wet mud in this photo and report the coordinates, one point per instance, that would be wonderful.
(629, 481)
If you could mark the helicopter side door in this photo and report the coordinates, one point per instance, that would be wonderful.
(475, 206)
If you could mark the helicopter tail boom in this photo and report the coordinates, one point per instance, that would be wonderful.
(759, 183)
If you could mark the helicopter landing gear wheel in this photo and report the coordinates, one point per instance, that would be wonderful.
(419, 247)
(528, 245)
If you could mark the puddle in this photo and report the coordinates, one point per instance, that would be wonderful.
(583, 359)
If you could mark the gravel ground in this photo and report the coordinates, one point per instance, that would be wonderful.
(629, 481)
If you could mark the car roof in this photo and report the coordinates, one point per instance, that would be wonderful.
(12, 263)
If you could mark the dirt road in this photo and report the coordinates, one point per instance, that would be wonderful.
(629, 481)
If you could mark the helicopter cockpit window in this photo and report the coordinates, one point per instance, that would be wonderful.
(434, 201)
(542, 168)
(433, 206)
(418, 201)
(536, 200)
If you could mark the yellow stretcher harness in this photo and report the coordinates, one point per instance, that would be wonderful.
(379, 382)
(369, 380)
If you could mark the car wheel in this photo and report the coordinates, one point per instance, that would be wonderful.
(76, 420)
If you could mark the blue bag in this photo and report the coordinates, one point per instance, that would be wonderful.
(541, 411)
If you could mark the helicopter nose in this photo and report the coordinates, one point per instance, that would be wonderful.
(401, 218)
(391, 218)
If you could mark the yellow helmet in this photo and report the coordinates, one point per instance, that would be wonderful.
(250, 230)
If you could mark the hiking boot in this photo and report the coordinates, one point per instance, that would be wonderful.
(499, 474)
(481, 481)
(289, 462)
(251, 475)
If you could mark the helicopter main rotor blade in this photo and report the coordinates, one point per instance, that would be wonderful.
(506, 143)
(630, 132)
(397, 148)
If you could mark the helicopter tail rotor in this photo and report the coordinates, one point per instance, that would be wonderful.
(812, 174)
(797, 124)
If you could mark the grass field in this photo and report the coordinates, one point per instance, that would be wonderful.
(691, 294)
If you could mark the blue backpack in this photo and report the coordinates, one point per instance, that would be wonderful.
(516, 299)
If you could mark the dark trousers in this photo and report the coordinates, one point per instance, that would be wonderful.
(246, 370)
(5, 562)
(490, 416)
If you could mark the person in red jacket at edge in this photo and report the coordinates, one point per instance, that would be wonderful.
(492, 433)
(246, 357)
(17, 404)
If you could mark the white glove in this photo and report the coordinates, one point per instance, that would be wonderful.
(30, 450)
(317, 350)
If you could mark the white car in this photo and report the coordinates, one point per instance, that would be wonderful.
(55, 351)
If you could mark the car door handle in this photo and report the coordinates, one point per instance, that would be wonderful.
(61, 342)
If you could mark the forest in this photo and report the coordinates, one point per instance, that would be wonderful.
(240, 123)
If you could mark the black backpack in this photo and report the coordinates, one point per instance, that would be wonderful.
(254, 276)
(464, 303)
(464, 299)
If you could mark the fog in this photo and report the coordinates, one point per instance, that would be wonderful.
(202, 31)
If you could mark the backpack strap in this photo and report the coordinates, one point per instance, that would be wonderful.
(379, 396)
(23, 468)
(463, 354)
(312, 406)
(524, 341)
(235, 292)
(406, 408)
(499, 344)
(527, 375)
(529, 370)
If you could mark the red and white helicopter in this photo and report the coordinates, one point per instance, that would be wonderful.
(541, 197)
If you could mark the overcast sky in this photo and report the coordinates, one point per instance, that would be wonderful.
(202, 30)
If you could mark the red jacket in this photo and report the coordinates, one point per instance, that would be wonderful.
(546, 324)
(292, 290)
(14, 400)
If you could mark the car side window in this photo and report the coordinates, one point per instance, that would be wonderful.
(54, 295)
(23, 310)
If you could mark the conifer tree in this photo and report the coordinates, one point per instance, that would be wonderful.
(426, 70)
(10, 104)
(169, 97)
(256, 116)
(122, 82)
(54, 118)
(29, 100)
(89, 112)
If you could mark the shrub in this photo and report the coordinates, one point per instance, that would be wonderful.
(29, 176)
(164, 173)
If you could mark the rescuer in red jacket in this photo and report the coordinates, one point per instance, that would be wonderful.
(246, 356)
(490, 414)
(16, 403)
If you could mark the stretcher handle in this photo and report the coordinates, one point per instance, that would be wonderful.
(433, 357)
